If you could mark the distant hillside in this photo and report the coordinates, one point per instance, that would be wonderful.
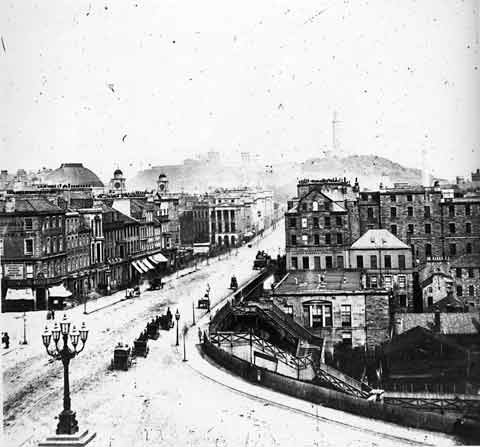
(200, 176)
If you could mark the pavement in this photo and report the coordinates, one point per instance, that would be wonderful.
(162, 400)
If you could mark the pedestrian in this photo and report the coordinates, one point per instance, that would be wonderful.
(169, 314)
(6, 340)
(199, 335)
(53, 314)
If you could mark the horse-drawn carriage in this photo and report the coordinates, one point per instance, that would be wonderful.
(156, 284)
(261, 260)
(152, 329)
(140, 345)
(122, 357)
(233, 283)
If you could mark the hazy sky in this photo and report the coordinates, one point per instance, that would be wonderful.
(262, 76)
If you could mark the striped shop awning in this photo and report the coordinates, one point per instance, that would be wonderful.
(159, 258)
(137, 267)
(148, 263)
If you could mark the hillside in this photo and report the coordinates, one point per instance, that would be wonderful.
(200, 176)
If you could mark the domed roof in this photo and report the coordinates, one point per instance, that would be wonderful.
(73, 174)
(117, 172)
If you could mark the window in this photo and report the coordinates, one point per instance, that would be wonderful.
(428, 249)
(370, 213)
(372, 282)
(410, 228)
(468, 228)
(29, 270)
(459, 291)
(316, 262)
(316, 238)
(347, 339)
(467, 210)
(451, 211)
(28, 246)
(292, 222)
(426, 211)
(410, 211)
(360, 261)
(453, 249)
(328, 262)
(306, 263)
(430, 301)
(403, 300)
(304, 207)
(339, 221)
(458, 272)
(393, 229)
(321, 315)
(315, 206)
(60, 244)
(470, 273)
(428, 228)
(47, 246)
(339, 238)
(28, 224)
(409, 198)
(451, 228)
(471, 290)
(327, 221)
(387, 281)
(328, 239)
(393, 212)
(315, 222)
(373, 261)
(393, 198)
(401, 262)
(340, 262)
(294, 239)
(468, 248)
(304, 222)
(346, 315)
(387, 261)
(305, 239)
(294, 263)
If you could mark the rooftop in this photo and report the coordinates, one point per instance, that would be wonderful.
(378, 239)
(301, 282)
(73, 174)
(37, 204)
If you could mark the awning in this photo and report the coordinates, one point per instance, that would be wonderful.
(137, 267)
(150, 258)
(19, 294)
(59, 291)
(143, 264)
(159, 258)
(148, 264)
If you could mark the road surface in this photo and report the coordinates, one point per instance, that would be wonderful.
(161, 400)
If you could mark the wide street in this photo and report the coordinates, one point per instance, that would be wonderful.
(161, 400)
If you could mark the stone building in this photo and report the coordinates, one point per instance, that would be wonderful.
(321, 224)
(466, 280)
(118, 183)
(32, 250)
(337, 307)
(387, 262)
(77, 244)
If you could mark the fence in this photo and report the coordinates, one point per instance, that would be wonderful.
(334, 399)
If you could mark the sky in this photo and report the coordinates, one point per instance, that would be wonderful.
(133, 83)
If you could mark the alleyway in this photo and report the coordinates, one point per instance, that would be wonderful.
(162, 401)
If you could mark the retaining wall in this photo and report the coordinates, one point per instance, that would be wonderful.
(340, 401)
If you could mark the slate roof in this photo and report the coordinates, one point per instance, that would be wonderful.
(38, 204)
(376, 239)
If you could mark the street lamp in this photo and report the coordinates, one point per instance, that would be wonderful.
(67, 423)
(185, 330)
(193, 313)
(177, 317)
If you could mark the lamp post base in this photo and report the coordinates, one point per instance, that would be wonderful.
(67, 423)
(68, 440)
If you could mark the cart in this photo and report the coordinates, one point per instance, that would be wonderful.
(122, 357)
(204, 303)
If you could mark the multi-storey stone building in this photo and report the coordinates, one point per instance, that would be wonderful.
(32, 251)
(387, 262)
(321, 224)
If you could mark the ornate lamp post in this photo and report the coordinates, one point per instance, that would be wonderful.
(177, 317)
(62, 350)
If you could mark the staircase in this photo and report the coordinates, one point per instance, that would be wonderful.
(340, 381)
(271, 312)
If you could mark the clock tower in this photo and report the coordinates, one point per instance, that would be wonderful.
(117, 183)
